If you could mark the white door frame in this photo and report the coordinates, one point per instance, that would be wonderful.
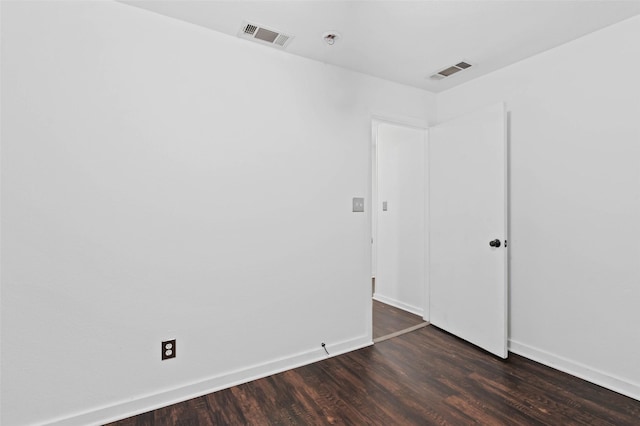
(413, 123)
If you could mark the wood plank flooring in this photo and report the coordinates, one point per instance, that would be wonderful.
(388, 319)
(426, 377)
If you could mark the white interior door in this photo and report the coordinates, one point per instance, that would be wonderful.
(467, 211)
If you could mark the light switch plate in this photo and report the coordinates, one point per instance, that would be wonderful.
(384, 206)
(358, 205)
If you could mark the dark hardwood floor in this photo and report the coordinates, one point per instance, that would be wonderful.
(388, 319)
(420, 378)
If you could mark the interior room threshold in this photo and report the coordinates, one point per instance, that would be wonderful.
(400, 333)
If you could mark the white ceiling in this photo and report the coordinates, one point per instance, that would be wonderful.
(407, 41)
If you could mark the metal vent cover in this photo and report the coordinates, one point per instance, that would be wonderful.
(265, 35)
(281, 40)
(451, 70)
(249, 29)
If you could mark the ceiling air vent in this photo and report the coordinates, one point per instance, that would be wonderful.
(264, 35)
(281, 40)
(249, 29)
(449, 71)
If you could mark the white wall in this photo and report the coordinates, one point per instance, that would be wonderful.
(400, 269)
(575, 202)
(159, 181)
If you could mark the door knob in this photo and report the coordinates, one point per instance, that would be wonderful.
(495, 243)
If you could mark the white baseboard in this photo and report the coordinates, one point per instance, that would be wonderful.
(400, 305)
(577, 369)
(162, 399)
(213, 384)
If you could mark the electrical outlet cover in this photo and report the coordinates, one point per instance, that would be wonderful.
(358, 205)
(169, 349)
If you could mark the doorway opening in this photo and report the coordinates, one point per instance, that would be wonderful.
(399, 228)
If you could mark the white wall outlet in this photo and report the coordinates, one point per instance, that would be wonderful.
(358, 205)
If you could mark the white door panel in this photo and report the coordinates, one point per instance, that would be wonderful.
(467, 210)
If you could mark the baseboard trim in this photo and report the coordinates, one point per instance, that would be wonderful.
(183, 393)
(577, 369)
(400, 305)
